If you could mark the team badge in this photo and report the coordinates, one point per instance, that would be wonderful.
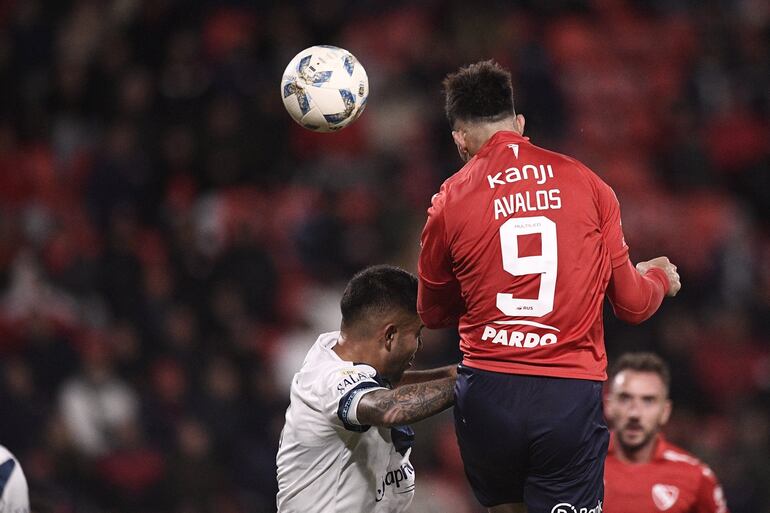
(664, 496)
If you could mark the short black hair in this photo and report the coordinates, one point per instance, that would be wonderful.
(642, 362)
(377, 290)
(479, 92)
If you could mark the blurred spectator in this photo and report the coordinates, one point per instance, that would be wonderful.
(196, 478)
(21, 406)
(96, 405)
(130, 476)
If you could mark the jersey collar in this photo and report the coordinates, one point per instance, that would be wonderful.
(661, 445)
(501, 137)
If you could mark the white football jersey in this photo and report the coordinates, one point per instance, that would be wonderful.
(14, 496)
(327, 461)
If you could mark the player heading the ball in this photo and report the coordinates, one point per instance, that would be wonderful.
(519, 249)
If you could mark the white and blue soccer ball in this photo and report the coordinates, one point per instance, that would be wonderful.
(324, 88)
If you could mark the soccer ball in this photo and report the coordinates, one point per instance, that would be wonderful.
(324, 88)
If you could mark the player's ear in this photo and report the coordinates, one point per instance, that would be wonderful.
(667, 407)
(459, 138)
(520, 121)
(390, 336)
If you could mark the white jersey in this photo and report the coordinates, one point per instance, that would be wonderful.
(14, 496)
(327, 461)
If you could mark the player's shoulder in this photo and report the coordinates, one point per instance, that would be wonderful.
(562, 162)
(462, 176)
(5, 454)
(566, 161)
(319, 362)
(8, 463)
(324, 373)
(452, 190)
(673, 454)
(554, 155)
(11, 475)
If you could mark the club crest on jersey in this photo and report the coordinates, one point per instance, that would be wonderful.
(664, 496)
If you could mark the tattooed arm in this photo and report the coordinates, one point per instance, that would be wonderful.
(421, 376)
(406, 404)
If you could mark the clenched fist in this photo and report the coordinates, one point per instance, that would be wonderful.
(667, 267)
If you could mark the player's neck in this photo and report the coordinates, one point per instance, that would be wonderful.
(643, 454)
(480, 133)
(352, 350)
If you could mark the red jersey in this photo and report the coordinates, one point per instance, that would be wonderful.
(519, 247)
(674, 481)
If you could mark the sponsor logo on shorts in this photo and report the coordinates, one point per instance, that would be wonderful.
(566, 507)
(400, 480)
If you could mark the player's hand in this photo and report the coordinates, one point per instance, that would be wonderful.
(667, 267)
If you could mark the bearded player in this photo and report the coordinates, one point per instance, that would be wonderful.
(644, 472)
(519, 249)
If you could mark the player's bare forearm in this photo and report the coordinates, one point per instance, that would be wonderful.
(406, 404)
(421, 376)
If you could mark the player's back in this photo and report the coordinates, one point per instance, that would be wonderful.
(532, 242)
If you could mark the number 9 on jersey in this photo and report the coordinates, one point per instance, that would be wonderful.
(543, 264)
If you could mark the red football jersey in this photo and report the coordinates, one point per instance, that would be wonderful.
(519, 246)
(673, 481)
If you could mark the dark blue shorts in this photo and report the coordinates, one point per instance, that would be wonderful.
(532, 439)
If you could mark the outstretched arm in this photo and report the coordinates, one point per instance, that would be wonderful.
(406, 404)
(421, 376)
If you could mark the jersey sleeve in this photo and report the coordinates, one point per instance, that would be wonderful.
(710, 498)
(635, 297)
(611, 225)
(439, 301)
(345, 387)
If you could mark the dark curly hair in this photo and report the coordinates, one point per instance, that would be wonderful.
(376, 290)
(478, 92)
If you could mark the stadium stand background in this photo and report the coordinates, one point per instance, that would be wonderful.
(171, 242)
